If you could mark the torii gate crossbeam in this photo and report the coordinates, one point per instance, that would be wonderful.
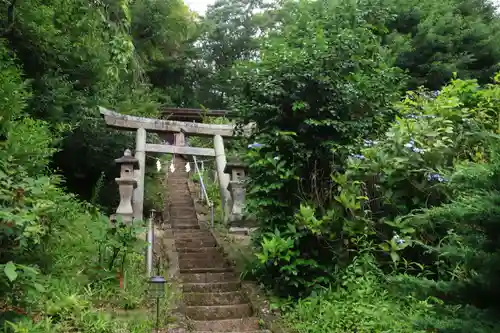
(143, 124)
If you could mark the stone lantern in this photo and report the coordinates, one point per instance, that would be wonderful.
(236, 187)
(126, 185)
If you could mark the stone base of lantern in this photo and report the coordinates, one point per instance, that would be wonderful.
(241, 230)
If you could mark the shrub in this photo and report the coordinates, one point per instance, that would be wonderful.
(368, 301)
(310, 101)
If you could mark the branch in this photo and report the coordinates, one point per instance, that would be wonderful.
(10, 17)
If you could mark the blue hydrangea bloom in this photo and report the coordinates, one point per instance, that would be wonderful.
(358, 156)
(255, 145)
(436, 177)
(369, 143)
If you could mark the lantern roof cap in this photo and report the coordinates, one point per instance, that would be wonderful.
(234, 164)
(127, 158)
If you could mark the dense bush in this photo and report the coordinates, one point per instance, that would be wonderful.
(58, 255)
(369, 301)
(421, 200)
(311, 102)
(339, 167)
(60, 259)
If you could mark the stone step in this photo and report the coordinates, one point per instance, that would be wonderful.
(181, 200)
(183, 219)
(203, 263)
(183, 231)
(202, 236)
(185, 226)
(228, 325)
(195, 243)
(223, 298)
(182, 209)
(199, 249)
(182, 206)
(207, 270)
(218, 312)
(183, 215)
(180, 195)
(209, 277)
(180, 220)
(194, 234)
(211, 287)
(214, 255)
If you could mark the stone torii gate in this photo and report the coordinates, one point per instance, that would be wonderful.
(165, 128)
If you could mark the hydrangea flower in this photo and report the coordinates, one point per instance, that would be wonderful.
(369, 143)
(417, 116)
(255, 145)
(398, 239)
(411, 145)
(436, 177)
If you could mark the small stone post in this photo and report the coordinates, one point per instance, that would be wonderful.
(236, 187)
(126, 185)
(180, 139)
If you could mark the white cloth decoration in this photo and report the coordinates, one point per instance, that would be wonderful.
(158, 165)
(172, 167)
(188, 167)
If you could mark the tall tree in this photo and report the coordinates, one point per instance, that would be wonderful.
(434, 39)
(231, 32)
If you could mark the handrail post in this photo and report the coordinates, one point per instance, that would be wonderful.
(150, 240)
(212, 214)
(204, 193)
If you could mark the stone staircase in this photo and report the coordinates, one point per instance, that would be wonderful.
(212, 295)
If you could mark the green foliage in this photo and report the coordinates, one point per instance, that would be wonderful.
(50, 242)
(229, 34)
(75, 56)
(401, 171)
(310, 102)
(154, 191)
(13, 87)
(434, 236)
(366, 302)
(212, 190)
(432, 40)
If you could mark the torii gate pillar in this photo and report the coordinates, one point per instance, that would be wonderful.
(140, 155)
(220, 162)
